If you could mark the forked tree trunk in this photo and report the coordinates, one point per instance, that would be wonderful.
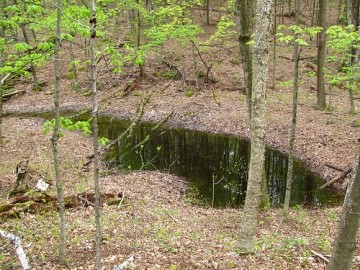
(321, 102)
(345, 242)
(257, 126)
(294, 114)
(55, 137)
(95, 133)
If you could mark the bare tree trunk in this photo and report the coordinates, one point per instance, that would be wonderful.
(2, 35)
(257, 126)
(207, 8)
(274, 47)
(36, 86)
(353, 18)
(289, 7)
(55, 137)
(345, 242)
(321, 102)
(138, 43)
(75, 84)
(95, 133)
(243, 12)
(294, 114)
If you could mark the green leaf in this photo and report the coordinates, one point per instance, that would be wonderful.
(22, 47)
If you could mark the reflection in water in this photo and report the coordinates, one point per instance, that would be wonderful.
(208, 161)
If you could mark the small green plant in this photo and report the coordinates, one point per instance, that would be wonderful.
(167, 236)
(189, 93)
(311, 74)
(357, 123)
(290, 243)
(103, 141)
(68, 124)
(285, 84)
(324, 244)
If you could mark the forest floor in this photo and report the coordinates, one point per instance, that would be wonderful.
(156, 222)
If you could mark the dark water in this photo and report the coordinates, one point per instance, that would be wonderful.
(208, 161)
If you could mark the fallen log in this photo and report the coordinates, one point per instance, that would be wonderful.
(34, 203)
(341, 177)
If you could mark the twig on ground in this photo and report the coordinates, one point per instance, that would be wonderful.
(320, 256)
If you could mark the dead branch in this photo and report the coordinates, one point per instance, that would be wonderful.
(18, 247)
(320, 256)
(4, 79)
(208, 68)
(174, 67)
(341, 177)
(129, 130)
(14, 93)
(334, 167)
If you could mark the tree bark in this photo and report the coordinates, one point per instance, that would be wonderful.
(294, 114)
(55, 137)
(18, 247)
(2, 35)
(257, 126)
(95, 133)
(243, 15)
(353, 18)
(345, 242)
(207, 8)
(321, 56)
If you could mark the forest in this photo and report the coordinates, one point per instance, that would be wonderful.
(179, 134)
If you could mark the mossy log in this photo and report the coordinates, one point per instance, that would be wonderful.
(27, 203)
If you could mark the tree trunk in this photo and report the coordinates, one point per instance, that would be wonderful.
(345, 242)
(2, 35)
(353, 18)
(36, 85)
(95, 133)
(138, 43)
(321, 56)
(257, 126)
(274, 47)
(243, 12)
(207, 8)
(294, 114)
(55, 136)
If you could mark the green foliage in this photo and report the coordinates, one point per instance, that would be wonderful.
(103, 141)
(286, 34)
(285, 84)
(311, 74)
(224, 30)
(342, 41)
(68, 124)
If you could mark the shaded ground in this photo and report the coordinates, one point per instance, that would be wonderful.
(156, 222)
